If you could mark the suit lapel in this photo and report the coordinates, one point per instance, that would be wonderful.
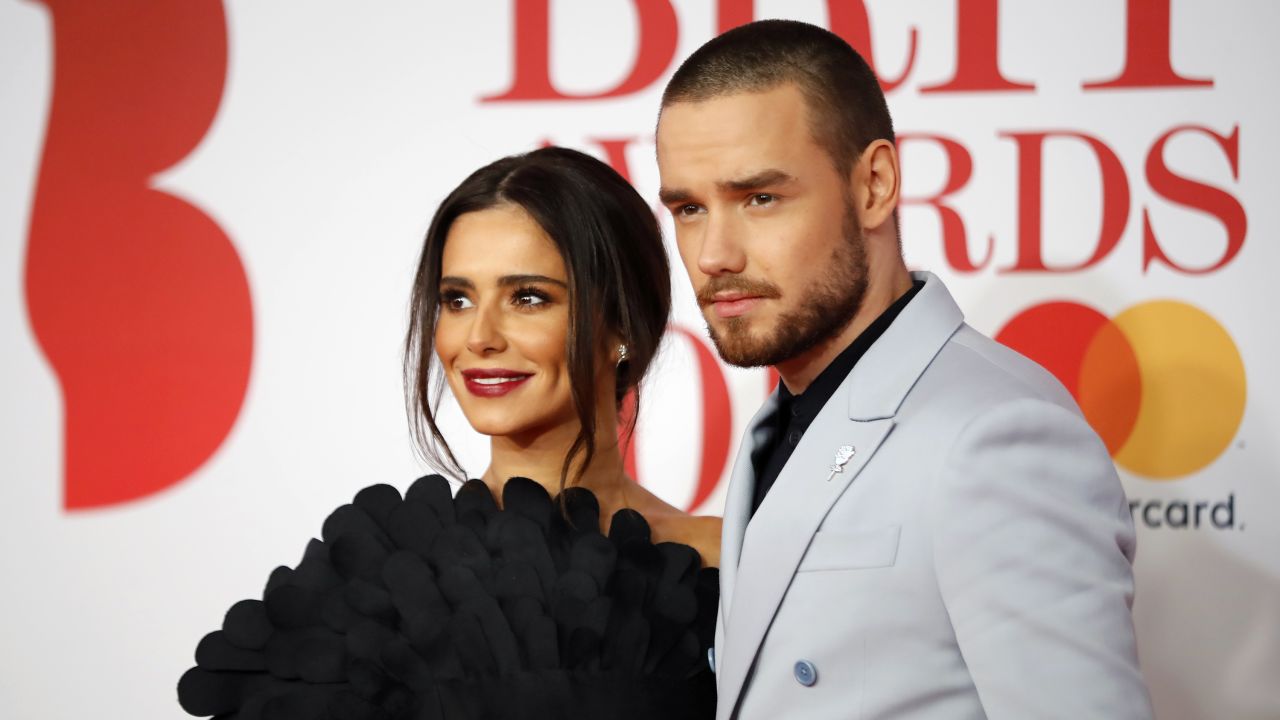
(763, 556)
(779, 534)
(737, 505)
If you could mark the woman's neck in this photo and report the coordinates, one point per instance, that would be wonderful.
(540, 458)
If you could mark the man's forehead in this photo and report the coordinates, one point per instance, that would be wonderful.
(768, 93)
(731, 147)
(727, 123)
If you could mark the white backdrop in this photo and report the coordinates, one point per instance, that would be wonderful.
(334, 129)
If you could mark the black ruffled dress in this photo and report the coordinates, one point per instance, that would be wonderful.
(432, 606)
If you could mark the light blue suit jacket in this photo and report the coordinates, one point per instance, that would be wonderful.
(972, 559)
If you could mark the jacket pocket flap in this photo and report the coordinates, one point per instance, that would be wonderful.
(850, 549)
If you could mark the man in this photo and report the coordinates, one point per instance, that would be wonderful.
(919, 523)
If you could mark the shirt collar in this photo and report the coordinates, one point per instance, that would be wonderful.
(805, 406)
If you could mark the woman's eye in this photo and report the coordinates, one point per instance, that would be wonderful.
(456, 302)
(529, 298)
(761, 199)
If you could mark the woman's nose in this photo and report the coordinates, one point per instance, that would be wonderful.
(485, 336)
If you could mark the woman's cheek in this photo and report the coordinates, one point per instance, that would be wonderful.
(545, 346)
(447, 337)
(446, 349)
(541, 338)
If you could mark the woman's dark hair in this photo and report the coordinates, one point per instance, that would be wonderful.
(619, 282)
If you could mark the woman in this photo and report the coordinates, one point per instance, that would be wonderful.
(541, 297)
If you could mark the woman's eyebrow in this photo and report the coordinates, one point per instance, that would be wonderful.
(506, 280)
(458, 281)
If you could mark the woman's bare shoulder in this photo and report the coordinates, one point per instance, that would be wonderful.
(700, 532)
(668, 523)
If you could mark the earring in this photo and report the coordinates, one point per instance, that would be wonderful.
(623, 355)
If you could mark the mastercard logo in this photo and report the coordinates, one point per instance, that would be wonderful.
(1162, 382)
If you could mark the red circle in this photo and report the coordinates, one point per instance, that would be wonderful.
(1090, 356)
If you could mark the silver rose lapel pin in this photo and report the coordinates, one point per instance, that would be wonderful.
(842, 456)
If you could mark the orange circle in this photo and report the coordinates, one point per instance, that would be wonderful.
(1196, 389)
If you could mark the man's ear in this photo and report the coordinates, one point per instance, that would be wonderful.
(876, 183)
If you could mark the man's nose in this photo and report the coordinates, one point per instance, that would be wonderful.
(722, 252)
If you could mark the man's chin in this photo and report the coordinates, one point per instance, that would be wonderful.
(741, 347)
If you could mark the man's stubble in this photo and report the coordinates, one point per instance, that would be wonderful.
(830, 304)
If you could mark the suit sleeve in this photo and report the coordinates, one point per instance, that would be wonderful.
(1033, 546)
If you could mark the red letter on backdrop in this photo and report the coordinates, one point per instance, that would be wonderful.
(717, 422)
(960, 168)
(977, 51)
(1147, 61)
(848, 19)
(656, 41)
(1189, 193)
(1115, 200)
(137, 299)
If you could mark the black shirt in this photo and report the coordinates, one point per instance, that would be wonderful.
(796, 412)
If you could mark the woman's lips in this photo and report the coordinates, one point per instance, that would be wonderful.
(731, 308)
(493, 383)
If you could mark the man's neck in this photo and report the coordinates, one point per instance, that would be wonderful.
(799, 372)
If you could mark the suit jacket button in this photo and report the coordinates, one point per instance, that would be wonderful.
(806, 673)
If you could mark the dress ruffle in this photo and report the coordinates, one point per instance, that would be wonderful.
(432, 606)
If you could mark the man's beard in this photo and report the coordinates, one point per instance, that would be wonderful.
(831, 303)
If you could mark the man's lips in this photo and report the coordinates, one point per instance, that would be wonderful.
(731, 305)
(493, 382)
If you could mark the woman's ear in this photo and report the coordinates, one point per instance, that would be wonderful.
(615, 348)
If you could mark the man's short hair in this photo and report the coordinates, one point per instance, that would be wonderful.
(847, 109)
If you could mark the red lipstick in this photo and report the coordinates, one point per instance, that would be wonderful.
(493, 382)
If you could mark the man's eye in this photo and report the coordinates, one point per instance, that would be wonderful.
(760, 199)
(688, 210)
